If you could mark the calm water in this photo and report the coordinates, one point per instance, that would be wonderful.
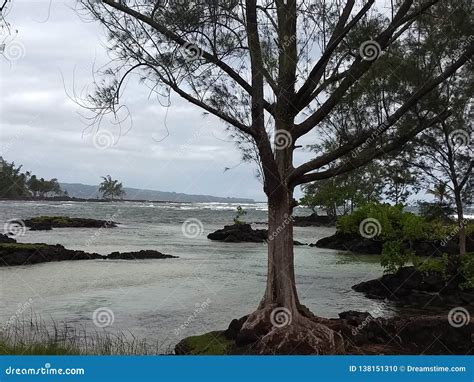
(209, 285)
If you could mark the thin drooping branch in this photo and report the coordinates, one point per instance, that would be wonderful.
(361, 138)
(210, 58)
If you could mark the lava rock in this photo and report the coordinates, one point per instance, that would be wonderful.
(139, 255)
(239, 232)
(48, 222)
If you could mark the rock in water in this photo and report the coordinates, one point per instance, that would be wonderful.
(239, 232)
(139, 255)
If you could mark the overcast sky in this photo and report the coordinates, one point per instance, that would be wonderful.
(50, 60)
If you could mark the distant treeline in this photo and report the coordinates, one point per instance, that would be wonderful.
(14, 183)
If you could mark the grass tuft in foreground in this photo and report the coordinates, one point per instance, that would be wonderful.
(36, 337)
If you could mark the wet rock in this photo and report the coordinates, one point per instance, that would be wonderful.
(6, 239)
(413, 287)
(49, 222)
(238, 233)
(138, 255)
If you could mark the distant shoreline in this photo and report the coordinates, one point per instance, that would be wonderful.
(96, 200)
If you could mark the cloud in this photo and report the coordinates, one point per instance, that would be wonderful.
(174, 149)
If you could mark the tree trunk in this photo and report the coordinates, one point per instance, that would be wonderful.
(461, 225)
(281, 288)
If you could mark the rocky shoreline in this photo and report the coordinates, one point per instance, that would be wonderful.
(409, 286)
(16, 254)
(355, 243)
(361, 332)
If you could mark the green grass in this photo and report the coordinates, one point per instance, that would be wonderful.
(36, 337)
(213, 343)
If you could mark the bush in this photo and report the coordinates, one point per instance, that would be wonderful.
(436, 211)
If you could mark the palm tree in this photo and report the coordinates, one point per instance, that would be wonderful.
(440, 191)
(111, 188)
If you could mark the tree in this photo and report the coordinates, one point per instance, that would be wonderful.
(111, 188)
(13, 183)
(401, 181)
(341, 194)
(275, 71)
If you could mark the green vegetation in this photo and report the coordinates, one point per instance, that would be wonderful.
(398, 230)
(240, 212)
(17, 184)
(35, 337)
(111, 188)
(20, 246)
(213, 343)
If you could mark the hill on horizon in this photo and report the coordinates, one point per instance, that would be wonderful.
(85, 191)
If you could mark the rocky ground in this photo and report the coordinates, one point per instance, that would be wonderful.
(412, 287)
(356, 243)
(14, 254)
(44, 223)
(314, 220)
(361, 332)
(237, 233)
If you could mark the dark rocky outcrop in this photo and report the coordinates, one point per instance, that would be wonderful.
(412, 287)
(362, 334)
(41, 223)
(355, 243)
(239, 232)
(13, 254)
(139, 255)
(23, 254)
(6, 239)
(314, 220)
